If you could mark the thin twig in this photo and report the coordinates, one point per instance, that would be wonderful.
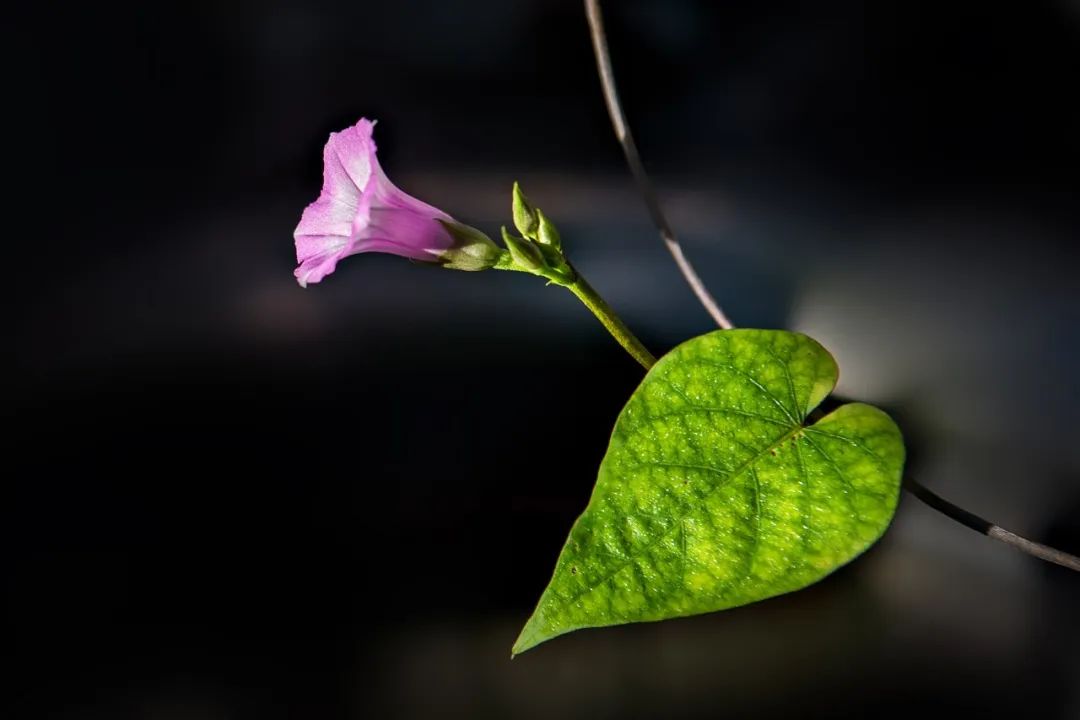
(626, 139)
(989, 529)
(622, 132)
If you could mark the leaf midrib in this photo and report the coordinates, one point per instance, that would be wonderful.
(727, 477)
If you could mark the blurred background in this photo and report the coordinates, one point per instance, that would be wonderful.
(228, 497)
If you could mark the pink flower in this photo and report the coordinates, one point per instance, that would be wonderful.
(360, 210)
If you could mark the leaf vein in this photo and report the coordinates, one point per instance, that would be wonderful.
(753, 381)
(662, 536)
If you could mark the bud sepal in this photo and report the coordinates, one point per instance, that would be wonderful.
(472, 250)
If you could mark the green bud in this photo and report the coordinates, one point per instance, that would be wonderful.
(547, 234)
(525, 253)
(473, 250)
(525, 216)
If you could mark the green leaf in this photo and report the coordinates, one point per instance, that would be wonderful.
(714, 493)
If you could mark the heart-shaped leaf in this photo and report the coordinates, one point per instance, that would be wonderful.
(714, 494)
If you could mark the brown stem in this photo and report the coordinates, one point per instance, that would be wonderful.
(648, 193)
(989, 529)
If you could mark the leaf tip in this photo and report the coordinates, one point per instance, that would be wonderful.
(528, 639)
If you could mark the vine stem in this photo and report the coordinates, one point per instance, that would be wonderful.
(985, 527)
(648, 193)
(633, 159)
(611, 322)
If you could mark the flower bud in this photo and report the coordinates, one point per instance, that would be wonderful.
(547, 234)
(525, 253)
(525, 216)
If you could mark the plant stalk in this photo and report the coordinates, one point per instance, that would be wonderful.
(637, 169)
(611, 322)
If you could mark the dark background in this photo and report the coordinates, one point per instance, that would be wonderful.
(228, 497)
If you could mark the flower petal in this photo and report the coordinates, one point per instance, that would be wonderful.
(323, 237)
(317, 266)
(347, 162)
(384, 193)
(401, 232)
(326, 216)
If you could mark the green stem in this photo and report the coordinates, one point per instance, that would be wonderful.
(588, 295)
(611, 322)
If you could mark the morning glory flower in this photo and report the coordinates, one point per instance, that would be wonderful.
(359, 210)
